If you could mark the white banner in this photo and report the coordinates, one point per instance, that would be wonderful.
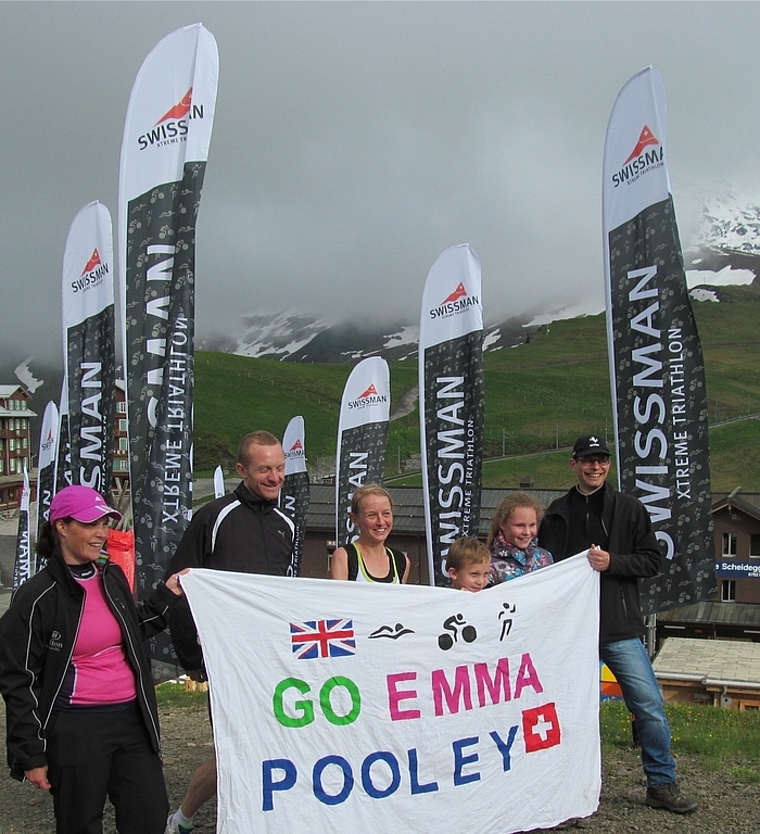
(219, 489)
(451, 305)
(354, 707)
(636, 171)
(170, 114)
(49, 434)
(294, 446)
(88, 266)
(48, 437)
(366, 394)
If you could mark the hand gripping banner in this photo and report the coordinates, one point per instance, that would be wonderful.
(349, 706)
(451, 402)
(656, 367)
(163, 161)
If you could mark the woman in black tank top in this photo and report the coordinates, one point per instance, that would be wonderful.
(367, 558)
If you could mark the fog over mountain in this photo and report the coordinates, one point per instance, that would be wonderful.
(354, 142)
(725, 251)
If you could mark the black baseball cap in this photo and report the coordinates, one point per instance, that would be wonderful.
(590, 444)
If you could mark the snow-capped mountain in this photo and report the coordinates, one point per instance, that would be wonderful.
(726, 225)
(726, 252)
(298, 338)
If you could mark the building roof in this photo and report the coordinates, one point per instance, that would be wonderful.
(21, 412)
(740, 614)
(747, 502)
(711, 661)
(6, 392)
(408, 510)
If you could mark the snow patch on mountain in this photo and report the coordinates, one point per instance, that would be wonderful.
(725, 252)
(726, 277)
(491, 340)
(702, 294)
(404, 337)
(587, 307)
(278, 335)
(726, 225)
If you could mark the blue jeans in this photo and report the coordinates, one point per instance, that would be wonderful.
(630, 664)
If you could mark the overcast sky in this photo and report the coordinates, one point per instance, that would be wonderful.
(355, 141)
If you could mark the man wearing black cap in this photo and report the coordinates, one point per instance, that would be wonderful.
(617, 531)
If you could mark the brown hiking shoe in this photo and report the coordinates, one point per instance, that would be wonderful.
(669, 796)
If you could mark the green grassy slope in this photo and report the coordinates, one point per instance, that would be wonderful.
(539, 397)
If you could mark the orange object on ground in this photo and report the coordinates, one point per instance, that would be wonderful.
(610, 688)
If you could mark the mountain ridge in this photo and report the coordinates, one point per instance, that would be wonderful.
(725, 252)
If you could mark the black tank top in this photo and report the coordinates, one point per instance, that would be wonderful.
(357, 570)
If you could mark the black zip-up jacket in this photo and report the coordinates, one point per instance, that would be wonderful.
(237, 532)
(37, 637)
(634, 554)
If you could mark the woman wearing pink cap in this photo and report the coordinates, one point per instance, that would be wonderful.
(81, 710)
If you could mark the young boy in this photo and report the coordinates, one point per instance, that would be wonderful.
(468, 563)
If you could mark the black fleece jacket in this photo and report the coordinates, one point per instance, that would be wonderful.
(37, 636)
(634, 554)
(238, 532)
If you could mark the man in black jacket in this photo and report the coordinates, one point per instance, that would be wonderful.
(617, 531)
(245, 532)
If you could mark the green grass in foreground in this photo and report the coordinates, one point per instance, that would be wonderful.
(727, 741)
(175, 695)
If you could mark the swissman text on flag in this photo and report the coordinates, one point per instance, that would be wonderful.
(362, 438)
(451, 402)
(87, 404)
(656, 368)
(167, 135)
(22, 567)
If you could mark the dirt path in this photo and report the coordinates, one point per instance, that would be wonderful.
(407, 403)
(727, 807)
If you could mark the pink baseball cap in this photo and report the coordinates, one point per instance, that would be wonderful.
(80, 503)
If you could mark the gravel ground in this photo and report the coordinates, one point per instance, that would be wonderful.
(726, 807)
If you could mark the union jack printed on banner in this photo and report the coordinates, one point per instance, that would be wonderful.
(322, 638)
